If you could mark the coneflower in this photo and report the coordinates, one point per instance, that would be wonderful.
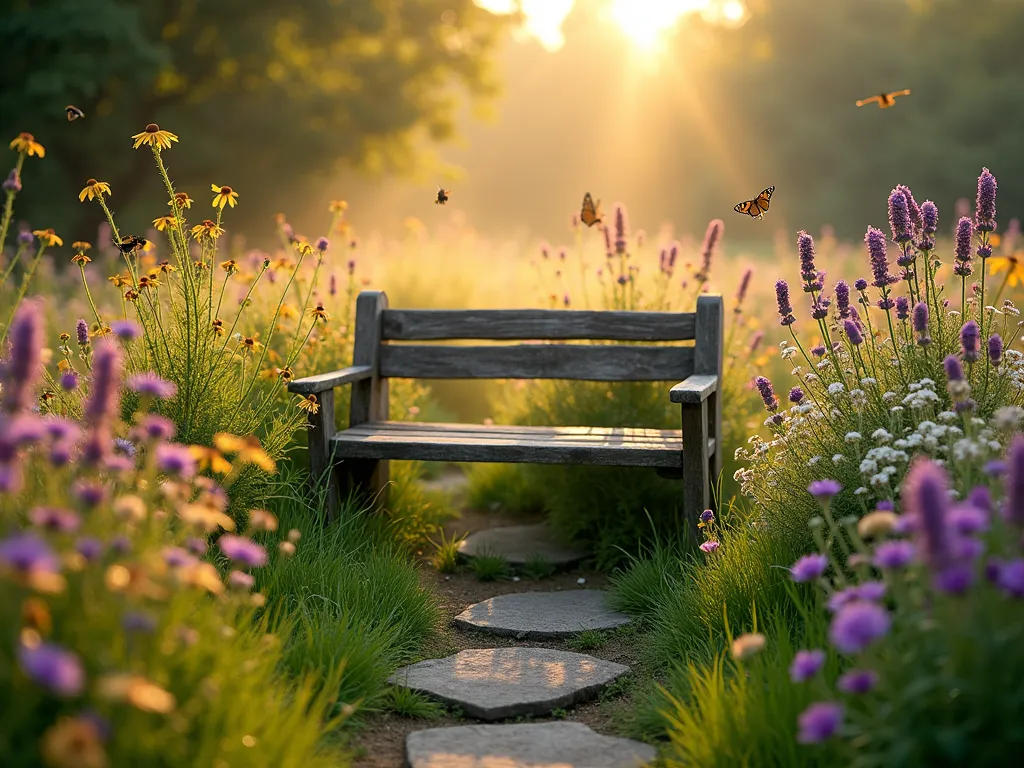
(985, 211)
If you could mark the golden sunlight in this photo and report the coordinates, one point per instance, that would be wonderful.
(646, 22)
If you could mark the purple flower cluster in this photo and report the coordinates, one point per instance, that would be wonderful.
(969, 336)
(920, 322)
(899, 217)
(985, 210)
(812, 278)
(621, 229)
(843, 298)
(879, 259)
(962, 249)
(767, 392)
(782, 298)
(707, 248)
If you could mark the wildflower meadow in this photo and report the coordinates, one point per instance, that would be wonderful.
(192, 573)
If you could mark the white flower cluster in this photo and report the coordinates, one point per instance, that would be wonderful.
(922, 395)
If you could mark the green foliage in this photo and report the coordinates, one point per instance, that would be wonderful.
(646, 582)
(409, 703)
(503, 485)
(309, 87)
(446, 555)
(537, 567)
(587, 640)
(487, 566)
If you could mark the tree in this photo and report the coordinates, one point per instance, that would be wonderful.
(262, 93)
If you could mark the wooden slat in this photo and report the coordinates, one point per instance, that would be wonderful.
(324, 381)
(449, 429)
(591, 362)
(573, 445)
(694, 389)
(522, 324)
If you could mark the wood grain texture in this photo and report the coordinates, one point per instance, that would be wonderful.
(369, 400)
(321, 431)
(601, 446)
(549, 324)
(694, 389)
(696, 475)
(314, 385)
(590, 362)
(708, 361)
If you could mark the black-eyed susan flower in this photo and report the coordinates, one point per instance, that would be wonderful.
(146, 282)
(285, 374)
(304, 249)
(119, 281)
(26, 143)
(94, 189)
(218, 327)
(208, 229)
(131, 295)
(81, 245)
(201, 266)
(319, 313)
(47, 236)
(80, 259)
(224, 196)
(163, 222)
(180, 200)
(230, 266)
(309, 403)
(337, 206)
(165, 266)
(1013, 265)
(153, 136)
(250, 343)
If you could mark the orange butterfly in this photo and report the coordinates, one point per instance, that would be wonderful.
(884, 100)
(590, 214)
(757, 207)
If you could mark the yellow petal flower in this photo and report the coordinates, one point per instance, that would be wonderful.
(94, 189)
(225, 196)
(153, 136)
(47, 236)
(26, 143)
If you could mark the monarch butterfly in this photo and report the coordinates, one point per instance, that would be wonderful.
(757, 207)
(129, 243)
(73, 112)
(442, 196)
(590, 214)
(884, 100)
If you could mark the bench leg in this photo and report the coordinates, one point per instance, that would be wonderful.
(367, 479)
(696, 465)
(321, 430)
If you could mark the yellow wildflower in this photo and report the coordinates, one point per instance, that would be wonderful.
(218, 327)
(338, 206)
(47, 236)
(247, 449)
(120, 280)
(154, 137)
(250, 343)
(26, 142)
(202, 575)
(288, 312)
(163, 222)
(81, 245)
(165, 266)
(74, 742)
(94, 189)
(146, 282)
(210, 458)
(80, 258)
(305, 249)
(131, 295)
(225, 196)
(309, 403)
(230, 266)
(180, 200)
(319, 313)
(1013, 264)
(285, 373)
(207, 229)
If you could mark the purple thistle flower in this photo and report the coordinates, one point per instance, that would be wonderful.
(860, 284)
(150, 385)
(89, 547)
(913, 210)
(90, 493)
(796, 395)
(709, 546)
(176, 557)
(843, 298)
(126, 330)
(995, 350)
(995, 468)
(21, 369)
(156, 427)
(824, 489)
(69, 381)
(820, 722)
(621, 228)
(954, 371)
(26, 238)
(13, 182)
(899, 217)
(902, 307)
(323, 244)
(926, 499)
(929, 217)
(782, 297)
(241, 580)
(741, 292)
(1015, 481)
(55, 519)
(27, 553)
(969, 335)
(857, 625)
(875, 241)
(853, 332)
(242, 550)
(857, 681)
(819, 350)
(49, 665)
(808, 568)
(962, 250)
(979, 496)
(954, 579)
(985, 212)
(764, 386)
(890, 555)
(1010, 577)
(707, 516)
(806, 664)
(173, 459)
(82, 332)
(967, 519)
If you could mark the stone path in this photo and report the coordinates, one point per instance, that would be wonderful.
(528, 745)
(519, 543)
(542, 615)
(506, 682)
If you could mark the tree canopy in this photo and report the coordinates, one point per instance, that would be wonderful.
(264, 93)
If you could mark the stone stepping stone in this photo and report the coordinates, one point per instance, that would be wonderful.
(530, 745)
(542, 615)
(519, 543)
(496, 683)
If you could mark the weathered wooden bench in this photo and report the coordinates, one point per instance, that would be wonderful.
(357, 457)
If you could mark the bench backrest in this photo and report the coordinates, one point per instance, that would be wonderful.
(387, 339)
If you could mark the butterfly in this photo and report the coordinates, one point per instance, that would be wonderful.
(884, 100)
(442, 196)
(590, 213)
(129, 243)
(756, 207)
(73, 112)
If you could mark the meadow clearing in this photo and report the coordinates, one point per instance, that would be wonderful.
(173, 594)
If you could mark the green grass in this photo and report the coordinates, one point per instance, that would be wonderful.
(537, 567)
(487, 566)
(355, 596)
(446, 553)
(647, 581)
(409, 703)
(505, 486)
(587, 640)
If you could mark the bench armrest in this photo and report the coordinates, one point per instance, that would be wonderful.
(694, 390)
(314, 385)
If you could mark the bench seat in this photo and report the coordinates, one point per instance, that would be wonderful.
(602, 446)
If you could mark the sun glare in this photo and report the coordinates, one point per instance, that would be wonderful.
(645, 22)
